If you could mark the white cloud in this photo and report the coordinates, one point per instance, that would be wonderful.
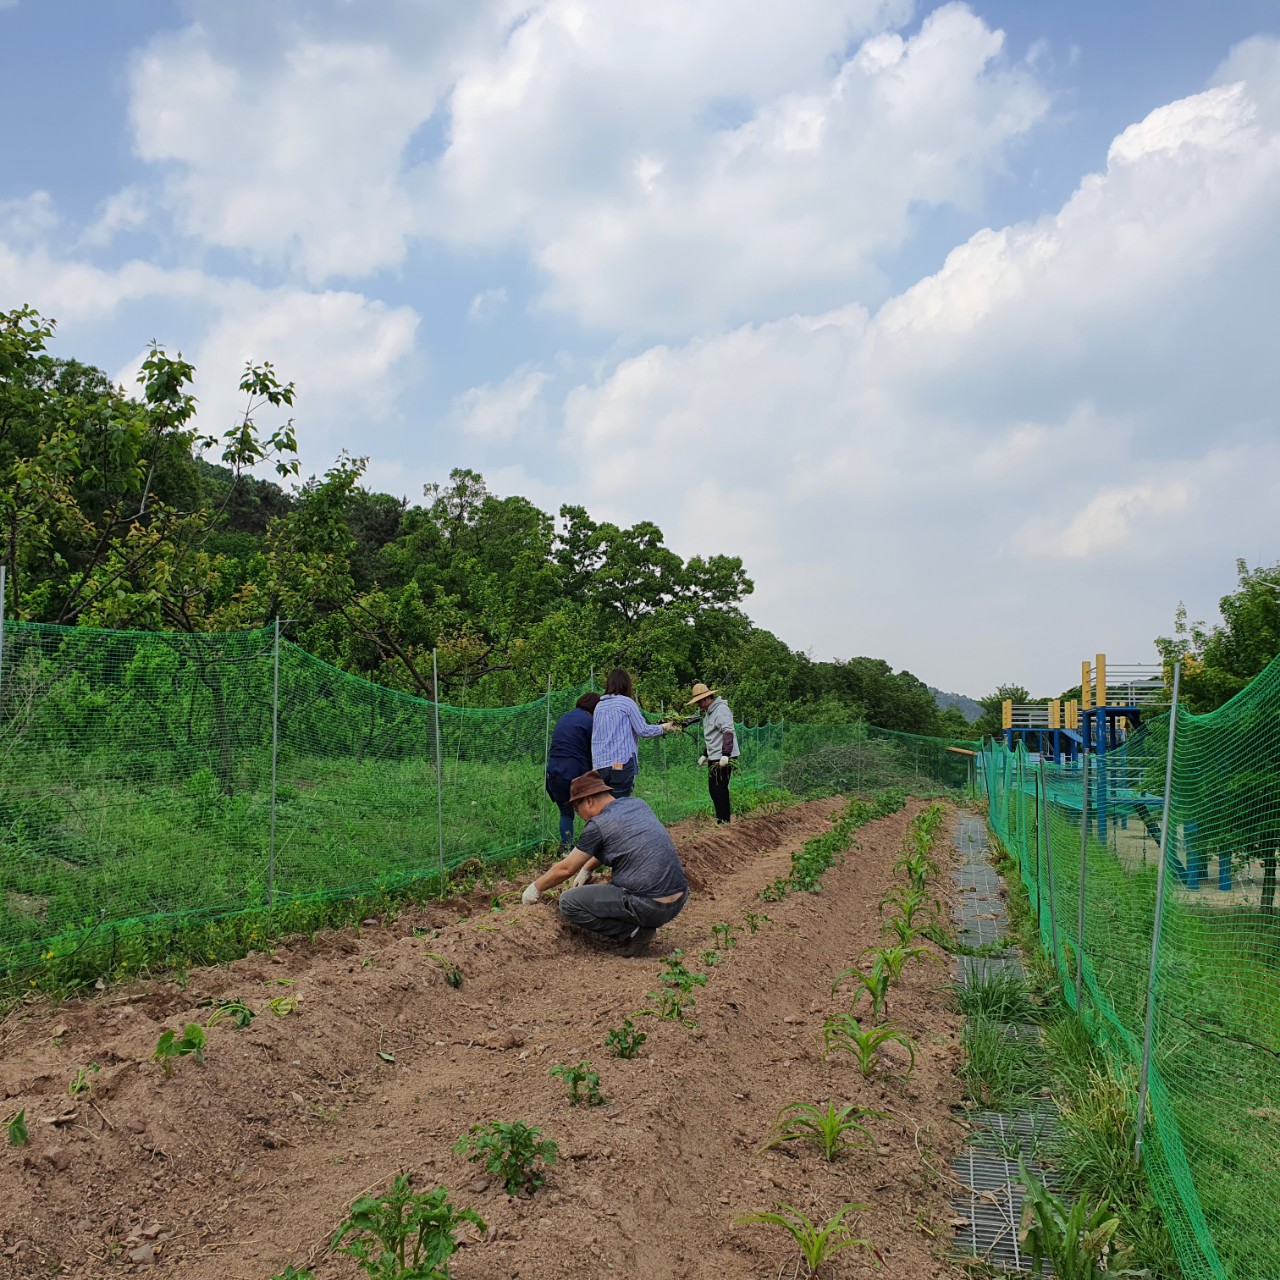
(1076, 409)
(487, 304)
(127, 210)
(503, 411)
(29, 217)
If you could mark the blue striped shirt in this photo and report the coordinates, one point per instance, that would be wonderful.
(615, 726)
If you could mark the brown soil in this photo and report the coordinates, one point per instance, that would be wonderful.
(236, 1168)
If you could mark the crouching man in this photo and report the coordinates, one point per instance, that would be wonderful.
(648, 888)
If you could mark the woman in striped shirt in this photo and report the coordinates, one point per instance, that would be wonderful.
(616, 728)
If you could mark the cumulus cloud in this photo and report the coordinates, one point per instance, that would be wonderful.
(486, 304)
(503, 411)
(1080, 404)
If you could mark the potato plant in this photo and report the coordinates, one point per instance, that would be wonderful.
(514, 1152)
(169, 1046)
(625, 1041)
(583, 1082)
(677, 977)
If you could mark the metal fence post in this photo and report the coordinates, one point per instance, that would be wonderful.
(2, 603)
(1036, 829)
(275, 756)
(435, 705)
(1048, 862)
(1084, 851)
(546, 760)
(1155, 932)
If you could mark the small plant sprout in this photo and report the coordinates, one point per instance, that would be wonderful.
(710, 957)
(670, 1006)
(82, 1081)
(514, 1152)
(402, 1235)
(234, 1011)
(292, 1273)
(894, 960)
(755, 919)
(845, 1033)
(583, 1082)
(675, 976)
(169, 1046)
(18, 1135)
(724, 935)
(832, 1130)
(1075, 1241)
(625, 1041)
(283, 1006)
(452, 974)
(874, 984)
(817, 1244)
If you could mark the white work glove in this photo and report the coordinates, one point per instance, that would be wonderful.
(531, 895)
(725, 762)
(701, 761)
(581, 878)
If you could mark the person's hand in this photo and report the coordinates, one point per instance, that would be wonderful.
(725, 762)
(670, 728)
(581, 878)
(531, 895)
(701, 761)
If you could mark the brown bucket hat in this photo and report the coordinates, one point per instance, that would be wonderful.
(588, 784)
(701, 691)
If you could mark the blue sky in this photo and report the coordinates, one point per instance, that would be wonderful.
(954, 321)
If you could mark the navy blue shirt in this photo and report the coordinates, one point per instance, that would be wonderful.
(570, 745)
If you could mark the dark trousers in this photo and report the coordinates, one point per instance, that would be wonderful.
(621, 780)
(606, 909)
(558, 790)
(718, 785)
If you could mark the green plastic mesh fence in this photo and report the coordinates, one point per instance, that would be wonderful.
(1213, 1133)
(152, 779)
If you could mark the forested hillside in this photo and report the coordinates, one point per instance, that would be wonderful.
(112, 517)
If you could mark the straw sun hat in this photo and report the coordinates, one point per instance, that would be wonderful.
(701, 691)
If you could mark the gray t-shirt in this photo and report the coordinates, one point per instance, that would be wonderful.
(628, 838)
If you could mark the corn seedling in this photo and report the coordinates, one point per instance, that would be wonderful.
(235, 1011)
(82, 1081)
(817, 1244)
(724, 934)
(18, 1135)
(677, 977)
(625, 1041)
(169, 1046)
(452, 974)
(583, 1082)
(845, 1032)
(514, 1152)
(874, 984)
(755, 919)
(1076, 1242)
(894, 960)
(917, 867)
(910, 903)
(403, 1235)
(831, 1130)
(670, 1006)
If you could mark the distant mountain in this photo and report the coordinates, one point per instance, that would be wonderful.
(968, 707)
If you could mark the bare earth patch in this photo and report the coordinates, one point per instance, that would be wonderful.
(232, 1170)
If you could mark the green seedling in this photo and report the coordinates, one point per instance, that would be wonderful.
(910, 903)
(625, 1041)
(845, 1033)
(919, 868)
(403, 1235)
(817, 1244)
(18, 1135)
(709, 957)
(675, 976)
(583, 1082)
(452, 974)
(514, 1152)
(755, 919)
(283, 1006)
(169, 1047)
(831, 1130)
(874, 984)
(724, 934)
(671, 1005)
(235, 1011)
(1075, 1241)
(894, 960)
(82, 1081)
(292, 1273)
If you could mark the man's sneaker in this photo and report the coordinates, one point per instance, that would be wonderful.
(638, 943)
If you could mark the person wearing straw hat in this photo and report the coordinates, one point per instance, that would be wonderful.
(720, 748)
(648, 888)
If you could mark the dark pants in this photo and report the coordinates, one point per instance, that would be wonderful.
(606, 909)
(558, 790)
(620, 780)
(718, 785)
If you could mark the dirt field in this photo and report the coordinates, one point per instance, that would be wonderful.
(236, 1168)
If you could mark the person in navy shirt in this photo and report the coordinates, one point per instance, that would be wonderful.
(570, 757)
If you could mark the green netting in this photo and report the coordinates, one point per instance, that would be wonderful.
(1210, 1147)
(136, 780)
